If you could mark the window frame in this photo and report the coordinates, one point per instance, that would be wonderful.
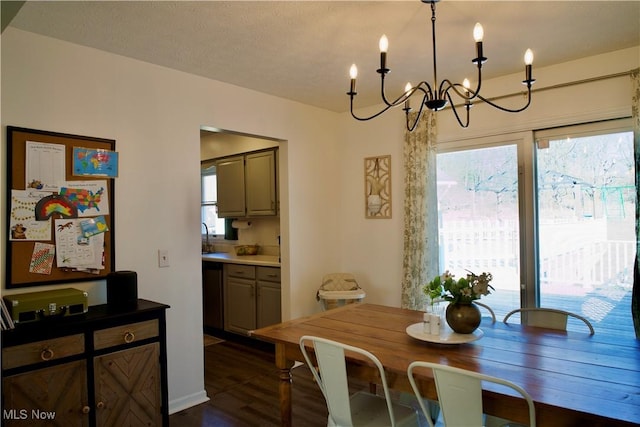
(526, 143)
(207, 169)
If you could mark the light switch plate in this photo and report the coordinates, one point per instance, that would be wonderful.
(163, 258)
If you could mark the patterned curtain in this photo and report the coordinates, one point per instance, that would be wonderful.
(635, 114)
(420, 257)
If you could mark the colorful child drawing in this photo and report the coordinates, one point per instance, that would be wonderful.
(83, 199)
(87, 161)
(90, 198)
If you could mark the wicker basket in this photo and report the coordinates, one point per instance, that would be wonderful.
(242, 250)
(339, 289)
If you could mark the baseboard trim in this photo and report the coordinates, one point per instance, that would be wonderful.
(187, 402)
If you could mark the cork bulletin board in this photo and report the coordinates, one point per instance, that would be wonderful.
(60, 210)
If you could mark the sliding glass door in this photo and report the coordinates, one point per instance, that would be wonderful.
(586, 217)
(571, 192)
(479, 221)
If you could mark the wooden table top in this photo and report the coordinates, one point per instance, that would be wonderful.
(575, 379)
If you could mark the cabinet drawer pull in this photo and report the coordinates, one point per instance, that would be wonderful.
(46, 354)
(129, 337)
(86, 409)
(100, 405)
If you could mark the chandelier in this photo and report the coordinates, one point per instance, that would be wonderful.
(437, 97)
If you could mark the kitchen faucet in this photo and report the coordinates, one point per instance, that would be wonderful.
(206, 248)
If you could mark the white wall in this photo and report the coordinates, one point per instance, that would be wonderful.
(155, 114)
(371, 249)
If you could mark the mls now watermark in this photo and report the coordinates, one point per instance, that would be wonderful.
(25, 414)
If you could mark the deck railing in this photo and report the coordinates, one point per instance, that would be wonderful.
(494, 245)
(592, 266)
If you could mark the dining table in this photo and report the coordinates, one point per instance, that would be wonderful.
(575, 379)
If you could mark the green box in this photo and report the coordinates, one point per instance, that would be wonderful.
(35, 306)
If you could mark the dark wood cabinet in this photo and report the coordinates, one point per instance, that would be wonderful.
(55, 393)
(127, 387)
(102, 368)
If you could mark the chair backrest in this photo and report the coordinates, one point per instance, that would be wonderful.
(486, 307)
(551, 318)
(332, 376)
(460, 394)
(339, 282)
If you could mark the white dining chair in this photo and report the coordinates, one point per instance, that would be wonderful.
(489, 309)
(362, 408)
(551, 318)
(460, 394)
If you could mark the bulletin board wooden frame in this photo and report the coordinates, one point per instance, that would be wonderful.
(18, 253)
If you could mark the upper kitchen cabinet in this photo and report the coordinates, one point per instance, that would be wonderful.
(247, 185)
(230, 186)
(260, 184)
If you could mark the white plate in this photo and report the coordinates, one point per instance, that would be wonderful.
(447, 336)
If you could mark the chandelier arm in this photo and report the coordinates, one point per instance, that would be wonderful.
(455, 112)
(466, 94)
(460, 90)
(425, 88)
(418, 115)
(382, 92)
(476, 92)
(445, 92)
(509, 110)
(362, 119)
(405, 96)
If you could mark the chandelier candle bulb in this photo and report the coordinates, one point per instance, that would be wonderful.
(353, 73)
(528, 61)
(407, 89)
(528, 57)
(467, 86)
(478, 32)
(383, 43)
(478, 35)
(384, 46)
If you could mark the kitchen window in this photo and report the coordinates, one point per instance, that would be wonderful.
(208, 207)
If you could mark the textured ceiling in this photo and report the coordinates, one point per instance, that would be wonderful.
(302, 50)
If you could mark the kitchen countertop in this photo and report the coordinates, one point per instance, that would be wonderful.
(260, 260)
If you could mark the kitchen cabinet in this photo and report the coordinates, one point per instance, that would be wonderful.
(230, 187)
(239, 298)
(251, 297)
(268, 309)
(260, 184)
(212, 296)
(247, 185)
(102, 368)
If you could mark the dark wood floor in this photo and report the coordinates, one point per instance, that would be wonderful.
(242, 383)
